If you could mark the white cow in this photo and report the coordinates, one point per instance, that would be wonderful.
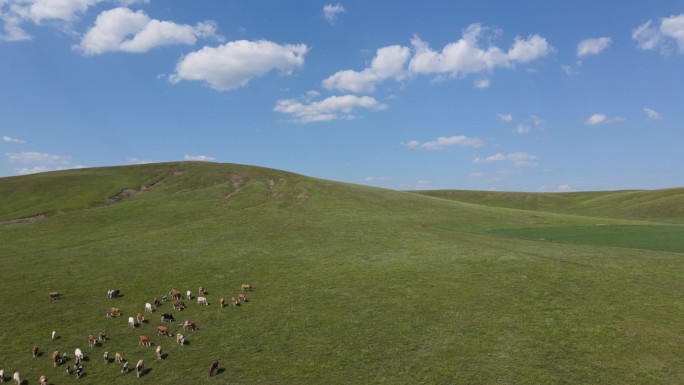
(131, 322)
(188, 294)
(54, 334)
(17, 377)
(2, 375)
(202, 301)
(78, 354)
(148, 307)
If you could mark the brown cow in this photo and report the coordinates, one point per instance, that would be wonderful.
(178, 305)
(43, 380)
(113, 312)
(180, 339)
(35, 351)
(175, 294)
(234, 301)
(102, 336)
(202, 291)
(145, 340)
(242, 298)
(163, 330)
(139, 367)
(156, 302)
(189, 325)
(56, 359)
(246, 286)
(158, 351)
(55, 295)
(118, 357)
(213, 368)
(223, 302)
(140, 318)
(92, 341)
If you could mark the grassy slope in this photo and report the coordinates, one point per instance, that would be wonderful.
(353, 284)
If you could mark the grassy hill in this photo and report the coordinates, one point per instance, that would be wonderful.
(352, 284)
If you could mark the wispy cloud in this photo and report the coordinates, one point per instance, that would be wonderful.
(505, 117)
(652, 114)
(602, 119)
(482, 83)
(40, 162)
(519, 159)
(12, 140)
(561, 188)
(331, 108)
(444, 142)
(593, 46)
(234, 64)
(331, 12)
(378, 179)
(199, 158)
(665, 35)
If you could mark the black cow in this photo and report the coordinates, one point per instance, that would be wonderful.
(166, 317)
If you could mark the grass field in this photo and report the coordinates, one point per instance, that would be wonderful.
(353, 285)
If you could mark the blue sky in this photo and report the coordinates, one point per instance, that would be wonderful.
(531, 95)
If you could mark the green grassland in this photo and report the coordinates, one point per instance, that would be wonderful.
(353, 285)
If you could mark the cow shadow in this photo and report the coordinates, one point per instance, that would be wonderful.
(220, 370)
(145, 372)
(57, 338)
(39, 354)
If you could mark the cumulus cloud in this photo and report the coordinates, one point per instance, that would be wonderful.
(662, 36)
(466, 56)
(444, 142)
(482, 83)
(593, 46)
(234, 64)
(12, 140)
(520, 159)
(13, 13)
(652, 114)
(123, 30)
(199, 158)
(331, 108)
(388, 63)
(330, 12)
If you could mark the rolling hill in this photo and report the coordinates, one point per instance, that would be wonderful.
(353, 284)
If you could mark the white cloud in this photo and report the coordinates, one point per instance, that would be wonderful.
(465, 56)
(561, 188)
(377, 179)
(520, 159)
(330, 12)
(12, 140)
(332, 108)
(199, 158)
(30, 157)
(652, 114)
(569, 70)
(593, 46)
(388, 63)
(505, 117)
(602, 119)
(38, 169)
(234, 64)
(482, 83)
(537, 121)
(522, 129)
(121, 29)
(661, 37)
(443, 142)
(134, 160)
(477, 174)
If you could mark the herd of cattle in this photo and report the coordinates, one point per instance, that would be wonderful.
(60, 358)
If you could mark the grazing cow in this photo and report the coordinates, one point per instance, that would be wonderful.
(166, 317)
(54, 334)
(235, 301)
(202, 291)
(113, 293)
(113, 312)
(158, 352)
(213, 368)
(2, 375)
(148, 307)
(56, 358)
(17, 378)
(92, 341)
(140, 318)
(180, 339)
(145, 340)
(124, 368)
(35, 351)
(55, 295)
(131, 322)
(202, 301)
(223, 302)
(163, 330)
(242, 297)
(189, 325)
(156, 302)
(175, 294)
(165, 298)
(102, 336)
(118, 357)
(79, 371)
(188, 294)
(139, 367)
(68, 370)
(43, 380)
(178, 305)
(246, 286)
(105, 357)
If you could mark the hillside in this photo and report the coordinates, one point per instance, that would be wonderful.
(353, 284)
(655, 205)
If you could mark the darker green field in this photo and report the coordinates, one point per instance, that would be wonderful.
(353, 285)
